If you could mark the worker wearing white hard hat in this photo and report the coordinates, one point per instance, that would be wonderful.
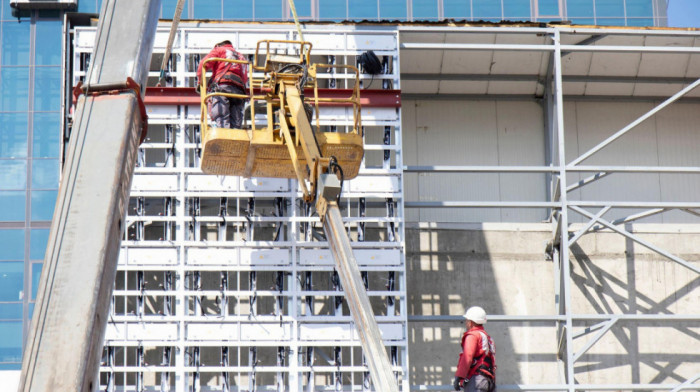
(476, 369)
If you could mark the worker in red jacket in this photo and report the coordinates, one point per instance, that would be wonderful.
(476, 369)
(226, 78)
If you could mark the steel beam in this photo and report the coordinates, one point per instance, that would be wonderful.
(587, 181)
(64, 347)
(638, 240)
(563, 221)
(480, 204)
(594, 339)
(188, 96)
(687, 384)
(636, 122)
(555, 317)
(603, 170)
(550, 48)
(540, 78)
(588, 225)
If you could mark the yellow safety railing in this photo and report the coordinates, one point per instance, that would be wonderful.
(205, 95)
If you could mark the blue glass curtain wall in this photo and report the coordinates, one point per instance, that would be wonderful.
(601, 12)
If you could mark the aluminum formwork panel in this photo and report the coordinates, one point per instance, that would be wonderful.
(212, 278)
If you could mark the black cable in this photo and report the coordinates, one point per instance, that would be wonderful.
(335, 168)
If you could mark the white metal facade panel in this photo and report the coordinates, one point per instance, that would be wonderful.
(679, 144)
(154, 182)
(521, 143)
(265, 331)
(213, 331)
(665, 64)
(251, 256)
(212, 256)
(264, 184)
(456, 133)
(365, 257)
(150, 256)
(217, 261)
(212, 183)
(378, 184)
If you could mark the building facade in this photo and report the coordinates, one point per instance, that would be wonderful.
(31, 144)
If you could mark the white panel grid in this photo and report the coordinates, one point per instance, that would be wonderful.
(217, 288)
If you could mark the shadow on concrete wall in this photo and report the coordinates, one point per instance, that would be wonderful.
(635, 282)
(448, 271)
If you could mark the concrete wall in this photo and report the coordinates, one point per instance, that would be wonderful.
(502, 267)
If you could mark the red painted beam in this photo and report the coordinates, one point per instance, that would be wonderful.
(188, 96)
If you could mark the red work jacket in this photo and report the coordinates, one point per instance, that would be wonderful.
(478, 354)
(219, 68)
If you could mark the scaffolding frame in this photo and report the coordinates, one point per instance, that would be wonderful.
(234, 268)
(560, 207)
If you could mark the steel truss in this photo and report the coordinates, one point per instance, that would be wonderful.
(563, 238)
(226, 283)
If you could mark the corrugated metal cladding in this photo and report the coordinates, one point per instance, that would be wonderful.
(505, 133)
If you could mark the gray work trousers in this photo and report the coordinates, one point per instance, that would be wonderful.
(227, 112)
(480, 383)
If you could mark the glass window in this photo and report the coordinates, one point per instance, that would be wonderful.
(89, 6)
(31, 310)
(425, 10)
(206, 9)
(548, 7)
(11, 311)
(45, 173)
(582, 21)
(639, 8)
(268, 9)
(13, 174)
(15, 43)
(605, 9)
(46, 135)
(12, 245)
(487, 10)
(640, 21)
(517, 9)
(10, 343)
(43, 203)
(362, 9)
(14, 89)
(13, 205)
(392, 10)
(238, 10)
(6, 10)
(456, 9)
(36, 276)
(47, 89)
(11, 280)
(579, 8)
(605, 21)
(13, 135)
(38, 238)
(331, 9)
(303, 8)
(48, 42)
(168, 7)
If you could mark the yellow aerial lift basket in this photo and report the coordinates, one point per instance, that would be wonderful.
(282, 147)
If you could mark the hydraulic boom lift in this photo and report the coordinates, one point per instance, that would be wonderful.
(288, 147)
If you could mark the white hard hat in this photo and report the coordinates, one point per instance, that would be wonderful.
(476, 314)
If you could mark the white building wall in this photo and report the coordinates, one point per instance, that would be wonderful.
(512, 133)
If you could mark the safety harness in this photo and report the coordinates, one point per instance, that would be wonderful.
(485, 361)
